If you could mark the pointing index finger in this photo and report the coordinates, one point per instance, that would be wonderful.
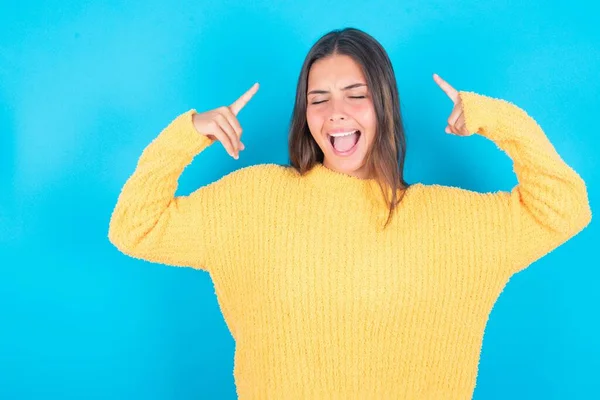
(237, 105)
(449, 90)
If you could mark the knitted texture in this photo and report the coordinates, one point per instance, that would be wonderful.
(324, 303)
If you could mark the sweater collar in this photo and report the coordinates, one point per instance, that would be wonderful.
(329, 179)
(332, 181)
(340, 184)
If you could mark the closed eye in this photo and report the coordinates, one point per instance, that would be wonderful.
(352, 97)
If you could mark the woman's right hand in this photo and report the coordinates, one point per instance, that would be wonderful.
(221, 123)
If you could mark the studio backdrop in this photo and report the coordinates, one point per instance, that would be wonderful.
(85, 86)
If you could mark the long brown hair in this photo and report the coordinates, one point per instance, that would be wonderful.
(385, 159)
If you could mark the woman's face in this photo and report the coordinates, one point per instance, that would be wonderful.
(340, 114)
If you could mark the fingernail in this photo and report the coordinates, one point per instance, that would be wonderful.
(242, 147)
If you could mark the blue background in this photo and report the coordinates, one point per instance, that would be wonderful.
(85, 86)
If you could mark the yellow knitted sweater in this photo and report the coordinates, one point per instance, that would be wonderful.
(321, 301)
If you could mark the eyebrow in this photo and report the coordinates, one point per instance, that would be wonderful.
(354, 85)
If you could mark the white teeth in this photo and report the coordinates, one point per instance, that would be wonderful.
(342, 134)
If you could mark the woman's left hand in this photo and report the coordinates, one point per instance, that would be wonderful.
(456, 121)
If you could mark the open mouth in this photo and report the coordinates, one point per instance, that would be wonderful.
(344, 143)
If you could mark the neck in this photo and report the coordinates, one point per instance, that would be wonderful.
(361, 173)
(332, 180)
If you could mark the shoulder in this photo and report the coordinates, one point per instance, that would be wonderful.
(452, 196)
(262, 170)
(463, 209)
(258, 174)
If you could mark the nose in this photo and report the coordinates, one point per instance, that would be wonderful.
(337, 111)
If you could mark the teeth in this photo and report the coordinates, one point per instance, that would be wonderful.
(342, 133)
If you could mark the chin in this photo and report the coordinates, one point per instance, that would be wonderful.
(352, 166)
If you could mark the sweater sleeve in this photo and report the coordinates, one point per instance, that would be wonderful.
(149, 223)
(549, 204)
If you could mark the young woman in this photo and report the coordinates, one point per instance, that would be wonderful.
(336, 278)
